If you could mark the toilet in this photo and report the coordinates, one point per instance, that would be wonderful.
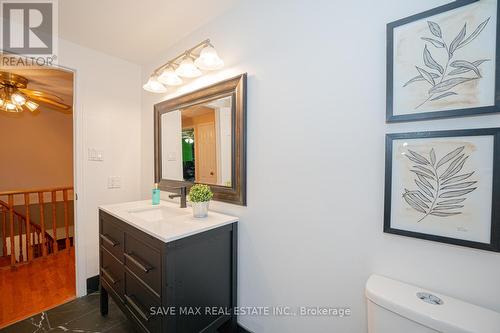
(396, 307)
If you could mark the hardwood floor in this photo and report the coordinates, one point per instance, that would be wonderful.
(38, 286)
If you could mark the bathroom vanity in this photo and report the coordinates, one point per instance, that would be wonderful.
(166, 270)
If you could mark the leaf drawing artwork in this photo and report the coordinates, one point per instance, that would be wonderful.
(442, 78)
(441, 186)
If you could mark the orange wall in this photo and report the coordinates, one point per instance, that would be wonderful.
(36, 151)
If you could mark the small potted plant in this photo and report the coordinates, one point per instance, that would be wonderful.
(200, 196)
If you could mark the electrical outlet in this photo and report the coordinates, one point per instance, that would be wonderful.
(114, 182)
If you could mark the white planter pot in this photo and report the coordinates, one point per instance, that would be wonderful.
(200, 209)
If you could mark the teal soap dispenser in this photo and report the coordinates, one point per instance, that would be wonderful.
(156, 195)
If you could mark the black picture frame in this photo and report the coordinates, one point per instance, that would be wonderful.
(494, 244)
(390, 117)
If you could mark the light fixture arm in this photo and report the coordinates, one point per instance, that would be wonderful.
(188, 52)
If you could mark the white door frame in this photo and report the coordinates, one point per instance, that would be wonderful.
(78, 184)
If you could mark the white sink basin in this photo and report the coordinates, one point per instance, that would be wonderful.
(156, 214)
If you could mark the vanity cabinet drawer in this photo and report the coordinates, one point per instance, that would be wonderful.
(111, 236)
(139, 300)
(112, 272)
(144, 261)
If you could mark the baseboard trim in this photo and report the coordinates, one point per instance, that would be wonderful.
(242, 329)
(92, 284)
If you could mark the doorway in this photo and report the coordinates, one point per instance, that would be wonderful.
(37, 257)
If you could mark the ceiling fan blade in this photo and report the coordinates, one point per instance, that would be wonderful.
(59, 106)
(36, 93)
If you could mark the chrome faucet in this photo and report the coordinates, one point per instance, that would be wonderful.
(182, 194)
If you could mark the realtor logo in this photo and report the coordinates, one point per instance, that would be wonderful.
(29, 29)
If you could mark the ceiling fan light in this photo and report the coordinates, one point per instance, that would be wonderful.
(154, 86)
(11, 107)
(209, 59)
(18, 99)
(169, 77)
(30, 105)
(187, 68)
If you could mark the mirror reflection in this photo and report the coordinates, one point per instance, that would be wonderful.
(196, 143)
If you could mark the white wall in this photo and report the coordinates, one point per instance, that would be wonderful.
(171, 145)
(312, 231)
(107, 117)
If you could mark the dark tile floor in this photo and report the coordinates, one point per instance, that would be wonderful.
(80, 315)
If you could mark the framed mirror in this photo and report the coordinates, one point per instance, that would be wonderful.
(200, 137)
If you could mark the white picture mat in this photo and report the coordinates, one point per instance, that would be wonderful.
(408, 53)
(474, 224)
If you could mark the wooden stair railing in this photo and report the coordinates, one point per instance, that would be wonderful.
(37, 241)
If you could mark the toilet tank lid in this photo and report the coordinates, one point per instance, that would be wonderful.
(451, 316)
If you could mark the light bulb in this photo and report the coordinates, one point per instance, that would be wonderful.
(154, 86)
(187, 68)
(18, 99)
(209, 59)
(169, 77)
(32, 106)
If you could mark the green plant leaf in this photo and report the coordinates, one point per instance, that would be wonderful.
(456, 42)
(434, 42)
(474, 34)
(435, 29)
(430, 62)
(446, 94)
(448, 84)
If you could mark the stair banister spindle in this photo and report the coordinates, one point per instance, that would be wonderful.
(11, 226)
(42, 223)
(54, 221)
(4, 231)
(20, 230)
(66, 217)
(29, 249)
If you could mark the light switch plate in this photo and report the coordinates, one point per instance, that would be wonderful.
(95, 155)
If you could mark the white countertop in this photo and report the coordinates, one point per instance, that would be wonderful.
(181, 224)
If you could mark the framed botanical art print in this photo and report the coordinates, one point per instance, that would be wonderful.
(444, 62)
(444, 186)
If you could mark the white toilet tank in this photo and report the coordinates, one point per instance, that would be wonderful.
(396, 307)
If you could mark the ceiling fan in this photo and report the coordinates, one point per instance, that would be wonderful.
(15, 97)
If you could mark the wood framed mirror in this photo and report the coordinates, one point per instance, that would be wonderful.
(200, 137)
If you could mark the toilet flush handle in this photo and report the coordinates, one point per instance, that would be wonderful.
(430, 298)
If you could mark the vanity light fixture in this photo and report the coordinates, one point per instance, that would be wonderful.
(188, 64)
(169, 77)
(154, 86)
(187, 68)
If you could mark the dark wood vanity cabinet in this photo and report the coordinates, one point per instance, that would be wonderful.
(189, 284)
